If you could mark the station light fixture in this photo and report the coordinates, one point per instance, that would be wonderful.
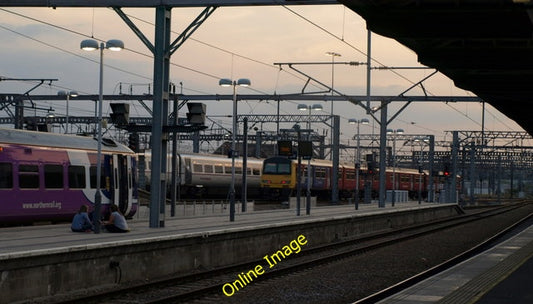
(226, 82)
(93, 45)
(68, 95)
(357, 165)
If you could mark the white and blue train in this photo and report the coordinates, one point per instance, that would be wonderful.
(209, 175)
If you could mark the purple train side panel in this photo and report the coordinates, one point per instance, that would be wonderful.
(47, 177)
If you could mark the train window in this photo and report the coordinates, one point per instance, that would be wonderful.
(248, 171)
(76, 177)
(277, 168)
(29, 168)
(133, 178)
(197, 168)
(350, 175)
(270, 168)
(238, 170)
(256, 171)
(53, 176)
(227, 169)
(92, 175)
(219, 169)
(6, 176)
(28, 176)
(320, 172)
(208, 169)
(284, 168)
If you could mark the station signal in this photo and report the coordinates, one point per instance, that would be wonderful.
(446, 171)
(196, 114)
(284, 147)
(305, 149)
(371, 167)
(121, 113)
(133, 142)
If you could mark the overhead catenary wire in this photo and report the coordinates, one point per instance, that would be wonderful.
(190, 69)
(341, 39)
(127, 49)
(233, 54)
(207, 44)
(68, 52)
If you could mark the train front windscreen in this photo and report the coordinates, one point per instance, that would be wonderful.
(277, 168)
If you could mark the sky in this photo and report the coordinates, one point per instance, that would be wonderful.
(234, 42)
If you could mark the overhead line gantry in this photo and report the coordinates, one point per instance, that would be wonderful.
(155, 3)
(162, 49)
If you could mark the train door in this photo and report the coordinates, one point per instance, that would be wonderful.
(121, 191)
(130, 180)
(107, 181)
(186, 171)
(327, 178)
(181, 176)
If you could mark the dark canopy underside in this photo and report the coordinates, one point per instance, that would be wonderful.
(484, 46)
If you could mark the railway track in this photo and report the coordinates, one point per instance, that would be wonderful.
(481, 247)
(210, 283)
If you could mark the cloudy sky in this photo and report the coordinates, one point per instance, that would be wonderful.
(235, 42)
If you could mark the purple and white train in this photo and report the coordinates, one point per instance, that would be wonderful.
(47, 177)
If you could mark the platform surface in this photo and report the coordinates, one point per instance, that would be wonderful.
(34, 240)
(480, 278)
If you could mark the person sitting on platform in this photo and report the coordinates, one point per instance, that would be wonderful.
(117, 221)
(81, 221)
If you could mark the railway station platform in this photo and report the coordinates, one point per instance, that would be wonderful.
(50, 261)
(501, 274)
(41, 239)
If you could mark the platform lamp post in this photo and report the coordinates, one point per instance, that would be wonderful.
(92, 45)
(297, 129)
(394, 133)
(333, 55)
(357, 162)
(303, 107)
(422, 140)
(225, 82)
(68, 94)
